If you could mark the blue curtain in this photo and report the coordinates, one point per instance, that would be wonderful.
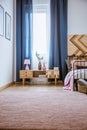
(23, 33)
(58, 36)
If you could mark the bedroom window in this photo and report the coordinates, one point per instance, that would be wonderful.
(40, 33)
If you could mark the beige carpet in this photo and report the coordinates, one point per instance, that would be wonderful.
(42, 108)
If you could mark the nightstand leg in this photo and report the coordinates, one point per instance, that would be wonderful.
(23, 81)
(55, 81)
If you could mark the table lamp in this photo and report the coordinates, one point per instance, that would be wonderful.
(27, 63)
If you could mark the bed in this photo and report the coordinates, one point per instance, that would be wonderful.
(77, 70)
(71, 58)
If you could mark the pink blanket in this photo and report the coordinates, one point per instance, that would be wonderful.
(68, 82)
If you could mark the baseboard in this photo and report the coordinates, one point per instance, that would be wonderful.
(6, 86)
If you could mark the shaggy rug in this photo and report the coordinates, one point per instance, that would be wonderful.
(42, 108)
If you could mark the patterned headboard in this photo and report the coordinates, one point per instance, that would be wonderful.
(77, 44)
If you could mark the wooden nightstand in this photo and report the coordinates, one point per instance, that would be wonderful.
(52, 74)
(29, 74)
(25, 74)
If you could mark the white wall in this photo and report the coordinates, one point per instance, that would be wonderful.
(77, 16)
(6, 48)
(14, 39)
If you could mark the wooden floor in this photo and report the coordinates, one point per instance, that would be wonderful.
(40, 84)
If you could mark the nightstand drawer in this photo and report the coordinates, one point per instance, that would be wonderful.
(23, 73)
(29, 74)
(26, 74)
(52, 73)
